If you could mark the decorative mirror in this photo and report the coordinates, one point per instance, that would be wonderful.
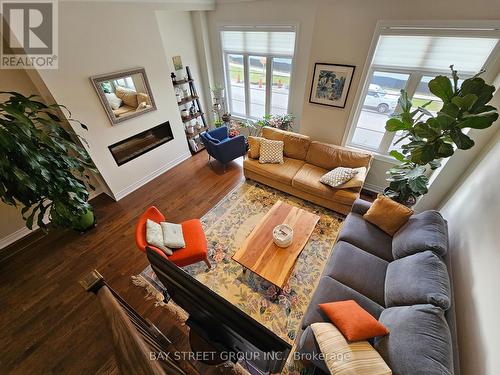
(124, 94)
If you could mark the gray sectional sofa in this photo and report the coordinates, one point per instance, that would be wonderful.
(404, 281)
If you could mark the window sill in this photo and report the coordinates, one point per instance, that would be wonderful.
(376, 155)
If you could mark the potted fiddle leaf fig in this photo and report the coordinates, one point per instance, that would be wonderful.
(42, 168)
(434, 137)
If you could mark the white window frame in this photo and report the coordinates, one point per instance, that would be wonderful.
(435, 28)
(269, 70)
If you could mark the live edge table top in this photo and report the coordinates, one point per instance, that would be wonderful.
(259, 253)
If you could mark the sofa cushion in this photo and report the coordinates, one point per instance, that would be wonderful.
(254, 147)
(359, 270)
(418, 279)
(387, 214)
(331, 290)
(143, 98)
(329, 156)
(271, 152)
(357, 181)
(308, 179)
(424, 231)
(366, 236)
(347, 358)
(128, 96)
(296, 145)
(419, 342)
(353, 321)
(283, 173)
(338, 176)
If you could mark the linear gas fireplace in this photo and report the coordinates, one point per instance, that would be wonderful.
(139, 144)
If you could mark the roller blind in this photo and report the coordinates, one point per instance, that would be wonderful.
(264, 42)
(433, 52)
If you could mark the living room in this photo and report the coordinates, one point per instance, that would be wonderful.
(190, 65)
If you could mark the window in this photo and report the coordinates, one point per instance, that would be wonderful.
(406, 58)
(258, 69)
(126, 82)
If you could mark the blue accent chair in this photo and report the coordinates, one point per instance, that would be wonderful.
(221, 147)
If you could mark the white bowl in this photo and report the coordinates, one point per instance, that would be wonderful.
(283, 235)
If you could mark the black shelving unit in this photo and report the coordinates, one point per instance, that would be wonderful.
(192, 98)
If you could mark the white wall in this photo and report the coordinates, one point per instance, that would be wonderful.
(473, 215)
(12, 225)
(97, 38)
(176, 31)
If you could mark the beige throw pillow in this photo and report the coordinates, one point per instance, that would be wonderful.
(154, 236)
(271, 152)
(357, 181)
(128, 96)
(344, 358)
(173, 237)
(338, 176)
(254, 147)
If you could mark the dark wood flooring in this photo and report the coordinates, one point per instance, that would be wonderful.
(48, 323)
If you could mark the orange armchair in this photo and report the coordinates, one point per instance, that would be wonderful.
(196, 243)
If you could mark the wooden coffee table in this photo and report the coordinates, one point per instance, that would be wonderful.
(259, 253)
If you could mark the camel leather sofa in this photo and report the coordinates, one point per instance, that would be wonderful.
(305, 161)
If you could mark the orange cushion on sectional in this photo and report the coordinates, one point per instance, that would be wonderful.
(387, 214)
(353, 321)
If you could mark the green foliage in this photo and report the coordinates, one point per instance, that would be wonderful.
(432, 138)
(41, 167)
(283, 122)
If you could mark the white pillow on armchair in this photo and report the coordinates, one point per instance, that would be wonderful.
(154, 236)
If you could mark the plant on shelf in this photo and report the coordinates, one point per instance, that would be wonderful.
(41, 167)
(430, 137)
(283, 122)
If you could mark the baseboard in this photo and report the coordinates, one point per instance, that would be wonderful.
(136, 185)
(16, 236)
(374, 188)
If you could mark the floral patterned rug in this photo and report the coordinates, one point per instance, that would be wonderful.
(226, 227)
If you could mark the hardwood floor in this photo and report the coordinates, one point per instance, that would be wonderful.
(49, 324)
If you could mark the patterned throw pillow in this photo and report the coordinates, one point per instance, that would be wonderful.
(347, 358)
(271, 152)
(338, 176)
(154, 236)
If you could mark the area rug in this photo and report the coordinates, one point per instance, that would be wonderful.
(226, 227)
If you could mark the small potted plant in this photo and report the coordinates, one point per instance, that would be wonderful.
(218, 92)
(283, 122)
(43, 169)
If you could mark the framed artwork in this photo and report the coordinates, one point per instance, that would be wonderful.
(177, 62)
(330, 84)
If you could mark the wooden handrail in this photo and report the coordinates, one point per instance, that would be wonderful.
(132, 354)
(134, 338)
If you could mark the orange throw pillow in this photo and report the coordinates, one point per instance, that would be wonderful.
(353, 321)
(387, 214)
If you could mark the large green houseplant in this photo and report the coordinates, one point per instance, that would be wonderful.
(434, 137)
(42, 168)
